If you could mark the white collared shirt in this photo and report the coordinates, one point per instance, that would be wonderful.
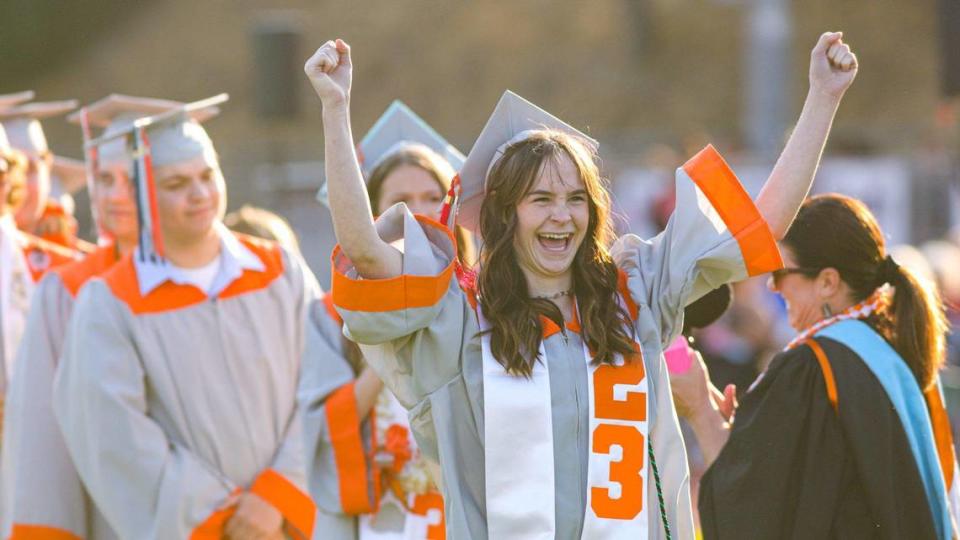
(234, 258)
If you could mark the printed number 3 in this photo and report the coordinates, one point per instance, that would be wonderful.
(627, 471)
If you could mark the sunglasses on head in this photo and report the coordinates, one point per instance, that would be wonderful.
(778, 275)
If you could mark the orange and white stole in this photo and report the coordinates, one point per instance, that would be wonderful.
(518, 449)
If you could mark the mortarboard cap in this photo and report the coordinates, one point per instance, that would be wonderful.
(22, 123)
(169, 137)
(112, 112)
(9, 100)
(511, 121)
(399, 127)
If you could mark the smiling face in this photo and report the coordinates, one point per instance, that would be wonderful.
(415, 187)
(552, 220)
(191, 196)
(801, 291)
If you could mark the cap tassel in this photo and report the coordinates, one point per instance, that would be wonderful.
(451, 204)
(151, 241)
(152, 195)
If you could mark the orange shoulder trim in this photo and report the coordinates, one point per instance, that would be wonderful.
(393, 294)
(40, 532)
(272, 257)
(827, 373)
(722, 188)
(122, 280)
(75, 274)
(343, 421)
(941, 433)
(296, 506)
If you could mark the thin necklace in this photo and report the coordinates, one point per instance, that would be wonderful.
(554, 296)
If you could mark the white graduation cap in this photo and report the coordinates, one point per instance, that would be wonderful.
(22, 123)
(397, 128)
(511, 122)
(115, 114)
(9, 100)
(172, 136)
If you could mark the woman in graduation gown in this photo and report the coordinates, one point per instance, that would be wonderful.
(845, 434)
(538, 390)
(367, 476)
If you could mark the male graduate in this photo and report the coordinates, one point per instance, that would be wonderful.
(176, 391)
(42, 492)
(39, 215)
(23, 257)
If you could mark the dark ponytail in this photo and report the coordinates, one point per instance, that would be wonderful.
(918, 325)
(836, 231)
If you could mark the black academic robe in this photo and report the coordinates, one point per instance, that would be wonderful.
(794, 468)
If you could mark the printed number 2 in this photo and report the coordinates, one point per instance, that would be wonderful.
(627, 471)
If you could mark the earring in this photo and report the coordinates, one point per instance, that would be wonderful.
(827, 312)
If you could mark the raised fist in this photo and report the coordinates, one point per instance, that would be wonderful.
(330, 72)
(832, 65)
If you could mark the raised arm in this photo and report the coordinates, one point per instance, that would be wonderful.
(330, 71)
(832, 69)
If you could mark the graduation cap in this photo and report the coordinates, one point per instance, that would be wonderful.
(397, 129)
(112, 114)
(22, 123)
(171, 136)
(9, 100)
(513, 120)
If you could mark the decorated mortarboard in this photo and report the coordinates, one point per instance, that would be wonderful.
(513, 120)
(399, 128)
(169, 137)
(9, 100)
(22, 123)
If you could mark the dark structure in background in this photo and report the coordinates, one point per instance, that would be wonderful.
(949, 19)
(277, 61)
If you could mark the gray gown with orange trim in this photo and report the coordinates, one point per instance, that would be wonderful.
(172, 401)
(343, 479)
(419, 331)
(42, 492)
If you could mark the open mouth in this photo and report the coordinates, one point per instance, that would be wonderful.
(555, 242)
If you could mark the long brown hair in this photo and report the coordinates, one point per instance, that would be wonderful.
(516, 329)
(422, 157)
(836, 231)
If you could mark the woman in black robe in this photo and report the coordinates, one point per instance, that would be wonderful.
(835, 439)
